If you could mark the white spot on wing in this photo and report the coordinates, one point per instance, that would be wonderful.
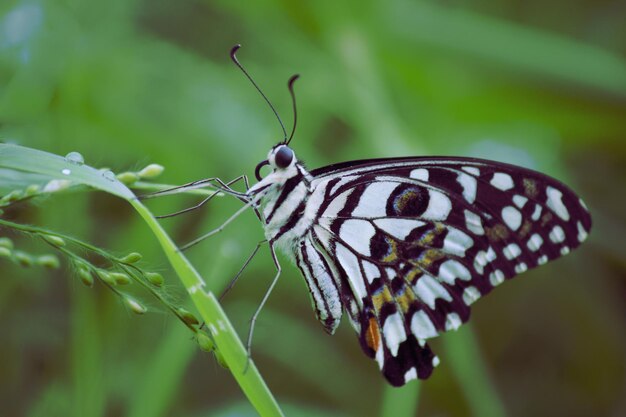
(512, 217)
(471, 170)
(453, 321)
(557, 235)
(435, 361)
(483, 258)
(380, 356)
(502, 181)
(350, 265)
(469, 185)
(398, 228)
(393, 331)
(410, 375)
(371, 271)
(428, 289)
(519, 200)
(542, 260)
(422, 327)
(452, 269)
(439, 206)
(520, 267)
(555, 203)
(342, 182)
(564, 250)
(457, 242)
(582, 233)
(337, 204)
(470, 295)
(373, 201)
(420, 174)
(357, 234)
(496, 278)
(537, 213)
(535, 242)
(474, 223)
(512, 251)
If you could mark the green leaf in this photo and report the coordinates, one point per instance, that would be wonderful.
(29, 160)
(226, 339)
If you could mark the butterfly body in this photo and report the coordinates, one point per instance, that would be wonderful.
(406, 245)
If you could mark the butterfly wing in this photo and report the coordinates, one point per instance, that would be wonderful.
(411, 243)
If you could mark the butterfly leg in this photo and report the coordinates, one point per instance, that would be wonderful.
(217, 230)
(206, 182)
(234, 280)
(260, 307)
(256, 210)
(225, 186)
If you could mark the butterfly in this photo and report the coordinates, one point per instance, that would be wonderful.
(405, 246)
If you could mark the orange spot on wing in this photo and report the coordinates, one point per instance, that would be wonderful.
(530, 187)
(372, 334)
(497, 233)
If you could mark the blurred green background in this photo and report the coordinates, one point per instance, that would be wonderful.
(131, 82)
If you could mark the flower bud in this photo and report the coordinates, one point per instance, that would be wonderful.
(54, 240)
(5, 242)
(151, 171)
(128, 178)
(135, 306)
(85, 276)
(48, 261)
(23, 258)
(131, 258)
(13, 196)
(105, 276)
(120, 278)
(205, 342)
(154, 278)
(188, 317)
(32, 190)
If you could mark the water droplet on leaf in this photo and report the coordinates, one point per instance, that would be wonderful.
(75, 158)
(109, 175)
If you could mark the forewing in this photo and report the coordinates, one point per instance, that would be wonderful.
(418, 241)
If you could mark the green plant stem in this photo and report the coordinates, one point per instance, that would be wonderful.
(230, 347)
(401, 401)
(221, 330)
(470, 371)
(216, 321)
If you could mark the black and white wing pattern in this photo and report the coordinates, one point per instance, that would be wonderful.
(405, 246)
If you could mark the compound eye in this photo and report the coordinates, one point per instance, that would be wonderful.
(283, 157)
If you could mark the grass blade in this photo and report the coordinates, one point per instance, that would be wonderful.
(224, 335)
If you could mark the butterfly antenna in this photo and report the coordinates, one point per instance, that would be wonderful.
(292, 80)
(233, 56)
